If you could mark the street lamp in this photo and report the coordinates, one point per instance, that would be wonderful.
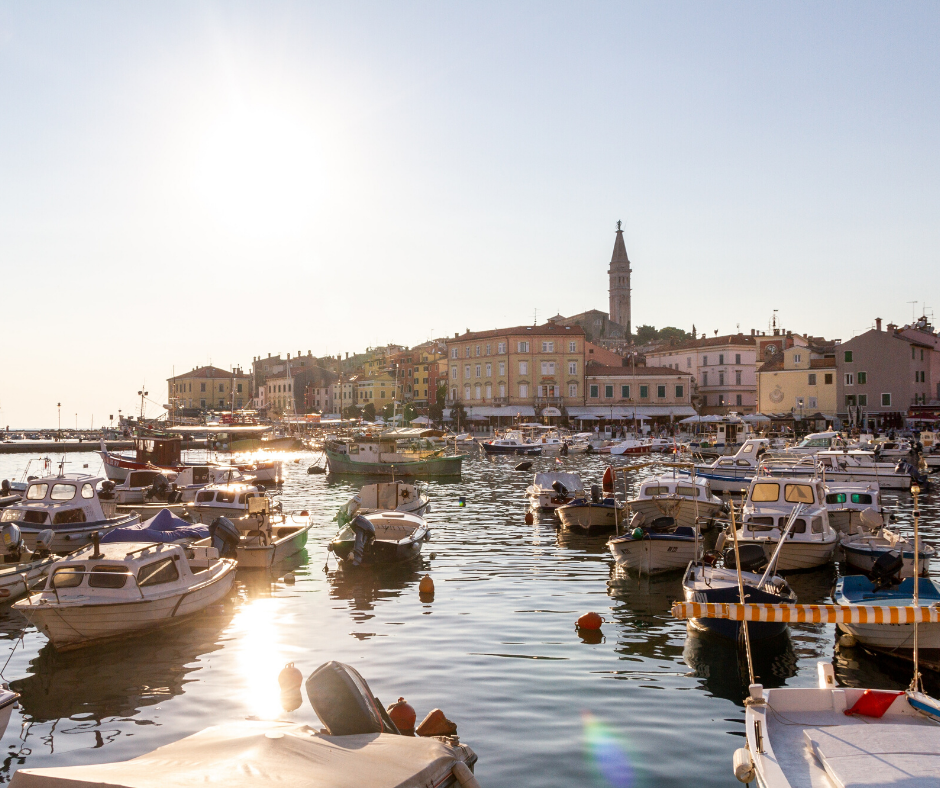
(59, 405)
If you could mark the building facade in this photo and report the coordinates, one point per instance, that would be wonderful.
(799, 380)
(209, 388)
(624, 392)
(724, 369)
(522, 367)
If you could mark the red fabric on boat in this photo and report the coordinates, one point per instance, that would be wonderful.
(873, 703)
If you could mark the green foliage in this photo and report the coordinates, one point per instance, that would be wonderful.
(368, 412)
(409, 413)
(458, 414)
(352, 412)
(646, 334)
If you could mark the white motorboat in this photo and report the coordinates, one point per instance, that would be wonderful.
(103, 592)
(22, 569)
(688, 500)
(629, 446)
(770, 503)
(818, 441)
(8, 700)
(816, 737)
(854, 507)
(591, 516)
(552, 489)
(512, 442)
(380, 538)
(657, 547)
(862, 550)
(68, 504)
(734, 473)
(266, 536)
(849, 465)
(389, 497)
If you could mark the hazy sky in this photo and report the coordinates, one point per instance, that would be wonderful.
(186, 182)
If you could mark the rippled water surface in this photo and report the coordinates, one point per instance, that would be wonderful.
(496, 649)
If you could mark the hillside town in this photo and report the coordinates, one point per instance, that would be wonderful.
(592, 366)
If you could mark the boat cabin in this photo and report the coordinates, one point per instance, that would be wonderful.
(746, 456)
(819, 441)
(57, 500)
(236, 496)
(669, 485)
(164, 452)
(770, 500)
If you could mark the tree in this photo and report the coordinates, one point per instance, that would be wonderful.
(368, 412)
(351, 412)
(671, 332)
(436, 411)
(408, 412)
(645, 334)
(458, 413)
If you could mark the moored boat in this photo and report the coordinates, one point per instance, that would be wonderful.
(380, 538)
(552, 489)
(383, 456)
(688, 501)
(660, 546)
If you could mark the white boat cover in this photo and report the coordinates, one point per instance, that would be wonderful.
(572, 481)
(878, 754)
(261, 754)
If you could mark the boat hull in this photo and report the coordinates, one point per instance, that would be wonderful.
(590, 518)
(379, 552)
(863, 556)
(431, 466)
(17, 579)
(524, 450)
(653, 554)
(283, 547)
(69, 626)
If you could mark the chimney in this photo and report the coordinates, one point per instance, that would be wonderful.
(456, 334)
(892, 326)
(752, 332)
(877, 324)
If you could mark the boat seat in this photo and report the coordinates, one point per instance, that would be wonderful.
(855, 756)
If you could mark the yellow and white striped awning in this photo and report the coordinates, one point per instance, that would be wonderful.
(809, 614)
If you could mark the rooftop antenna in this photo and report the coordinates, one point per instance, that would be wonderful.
(535, 318)
(913, 310)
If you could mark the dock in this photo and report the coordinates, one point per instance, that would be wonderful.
(58, 447)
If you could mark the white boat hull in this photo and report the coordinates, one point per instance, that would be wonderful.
(796, 554)
(17, 579)
(589, 518)
(891, 637)
(264, 556)
(74, 624)
(651, 556)
(682, 510)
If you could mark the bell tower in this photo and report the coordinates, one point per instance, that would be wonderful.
(619, 273)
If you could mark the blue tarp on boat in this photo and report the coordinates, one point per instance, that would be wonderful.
(165, 527)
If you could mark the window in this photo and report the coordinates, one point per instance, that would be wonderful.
(863, 400)
(477, 370)
(239, 388)
(798, 493)
(688, 362)
(572, 347)
(595, 392)
(523, 347)
(721, 400)
(548, 367)
(158, 573)
(886, 400)
(489, 391)
(221, 390)
(548, 347)
(62, 492)
(572, 367)
(862, 378)
(721, 378)
(661, 392)
(37, 492)
(849, 379)
(68, 577)
(523, 367)
(64, 517)
(828, 379)
(608, 392)
(487, 349)
(796, 358)
(523, 390)
(202, 403)
(104, 576)
(501, 347)
(572, 389)
(625, 392)
(738, 400)
(466, 370)
(849, 400)
(466, 391)
(811, 379)
(476, 391)
(721, 358)
(704, 378)
(737, 358)
(502, 367)
(489, 370)
(848, 356)
(680, 392)
(765, 492)
(502, 389)
(737, 377)
(453, 353)
(644, 392)
(704, 361)
(478, 350)
(453, 373)
(88, 490)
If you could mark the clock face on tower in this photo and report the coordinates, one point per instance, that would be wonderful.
(771, 349)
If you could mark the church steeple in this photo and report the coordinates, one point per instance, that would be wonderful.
(619, 273)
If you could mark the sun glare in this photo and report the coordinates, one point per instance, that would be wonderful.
(258, 173)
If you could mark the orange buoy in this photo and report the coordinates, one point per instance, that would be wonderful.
(290, 678)
(436, 724)
(426, 586)
(404, 717)
(608, 483)
(529, 518)
(590, 621)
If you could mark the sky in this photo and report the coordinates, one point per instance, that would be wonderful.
(195, 182)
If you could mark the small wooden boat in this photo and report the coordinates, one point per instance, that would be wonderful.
(688, 501)
(551, 490)
(382, 456)
(69, 505)
(380, 538)
(103, 592)
(651, 548)
(389, 497)
(591, 516)
(862, 551)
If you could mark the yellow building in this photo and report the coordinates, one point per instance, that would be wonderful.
(799, 380)
(209, 388)
(380, 390)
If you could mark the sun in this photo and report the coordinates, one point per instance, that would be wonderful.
(258, 173)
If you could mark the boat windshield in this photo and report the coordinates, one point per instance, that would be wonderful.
(62, 492)
(798, 493)
(765, 491)
(36, 492)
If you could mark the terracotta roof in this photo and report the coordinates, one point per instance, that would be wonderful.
(602, 370)
(549, 329)
(728, 339)
(822, 363)
(210, 372)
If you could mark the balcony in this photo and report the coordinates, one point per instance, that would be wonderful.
(556, 401)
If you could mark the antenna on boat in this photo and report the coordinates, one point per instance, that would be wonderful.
(916, 684)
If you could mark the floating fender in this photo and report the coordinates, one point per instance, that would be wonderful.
(608, 482)
(529, 518)
(590, 621)
(403, 715)
(290, 677)
(436, 724)
(637, 533)
(343, 701)
(426, 586)
(464, 776)
(743, 766)
(524, 466)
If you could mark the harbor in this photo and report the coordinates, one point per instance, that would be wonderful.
(499, 626)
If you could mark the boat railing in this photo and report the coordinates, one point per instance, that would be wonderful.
(83, 572)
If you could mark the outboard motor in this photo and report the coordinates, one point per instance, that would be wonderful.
(5, 487)
(160, 488)
(107, 490)
(559, 488)
(753, 557)
(365, 536)
(225, 537)
(886, 571)
(12, 544)
(44, 544)
(595, 494)
(917, 476)
(344, 702)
